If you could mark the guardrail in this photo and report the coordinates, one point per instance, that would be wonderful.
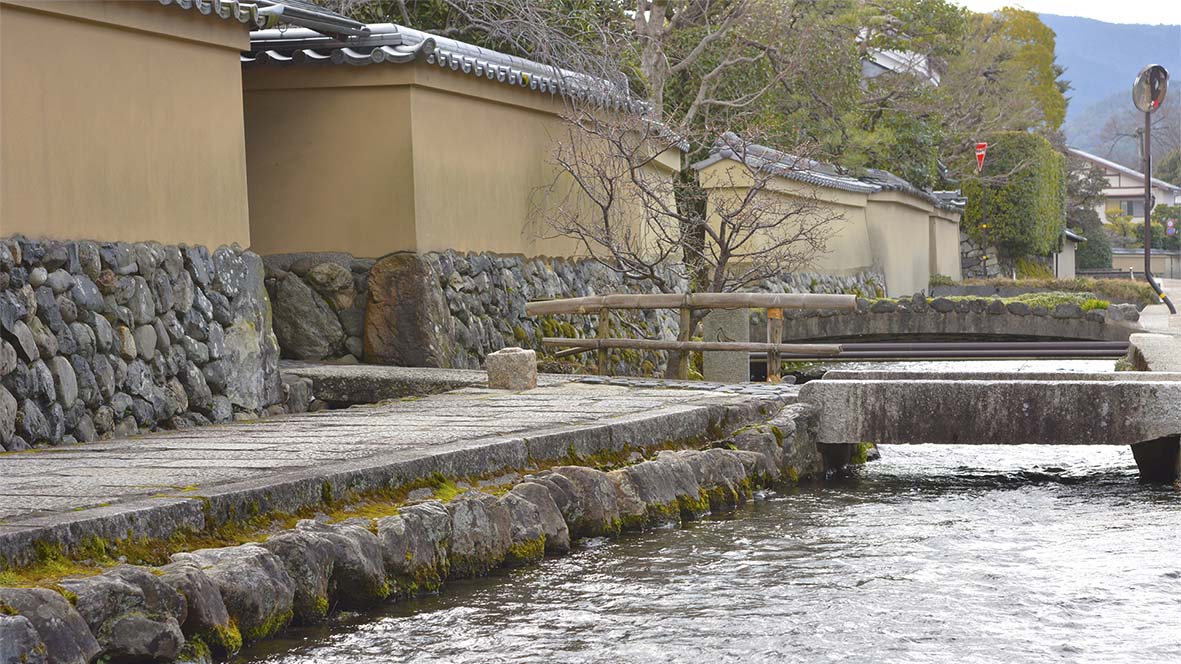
(1108, 274)
(773, 303)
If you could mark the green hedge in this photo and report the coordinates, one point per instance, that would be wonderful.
(1026, 197)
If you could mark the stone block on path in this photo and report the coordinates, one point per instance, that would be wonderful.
(512, 369)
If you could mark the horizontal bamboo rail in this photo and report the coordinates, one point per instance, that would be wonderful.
(811, 350)
(595, 303)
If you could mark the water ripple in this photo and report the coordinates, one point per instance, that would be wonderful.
(934, 554)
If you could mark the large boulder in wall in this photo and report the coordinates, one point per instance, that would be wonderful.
(305, 324)
(407, 322)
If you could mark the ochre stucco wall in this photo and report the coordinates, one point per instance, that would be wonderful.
(848, 249)
(1064, 261)
(944, 242)
(899, 233)
(1166, 265)
(330, 169)
(121, 121)
(410, 157)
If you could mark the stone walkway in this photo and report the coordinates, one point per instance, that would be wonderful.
(1156, 318)
(1159, 349)
(154, 484)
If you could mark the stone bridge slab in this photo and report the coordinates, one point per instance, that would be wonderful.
(1065, 411)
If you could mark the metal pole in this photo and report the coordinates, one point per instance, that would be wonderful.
(1148, 214)
(984, 221)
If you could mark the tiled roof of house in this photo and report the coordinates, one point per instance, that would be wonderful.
(396, 44)
(1107, 163)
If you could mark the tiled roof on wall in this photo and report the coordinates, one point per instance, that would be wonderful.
(783, 164)
(243, 12)
(390, 43)
(810, 171)
(258, 13)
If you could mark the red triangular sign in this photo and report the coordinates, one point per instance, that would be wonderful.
(981, 148)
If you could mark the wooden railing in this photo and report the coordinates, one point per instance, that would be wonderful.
(773, 303)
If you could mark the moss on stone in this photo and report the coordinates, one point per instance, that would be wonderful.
(860, 454)
(526, 552)
(195, 650)
(269, 627)
(225, 640)
(693, 507)
(7, 610)
(661, 514)
(778, 433)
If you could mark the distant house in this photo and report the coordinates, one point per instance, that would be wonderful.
(1125, 188)
(878, 62)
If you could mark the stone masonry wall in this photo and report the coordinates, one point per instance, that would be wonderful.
(971, 254)
(451, 309)
(109, 339)
(319, 304)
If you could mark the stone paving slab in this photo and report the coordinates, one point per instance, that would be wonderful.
(1156, 352)
(154, 484)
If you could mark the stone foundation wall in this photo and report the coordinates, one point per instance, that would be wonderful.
(482, 308)
(971, 255)
(319, 302)
(451, 309)
(109, 339)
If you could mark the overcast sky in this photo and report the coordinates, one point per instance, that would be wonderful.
(1113, 11)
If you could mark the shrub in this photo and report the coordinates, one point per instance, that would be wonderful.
(941, 280)
(1031, 268)
(1093, 303)
(1024, 206)
(1115, 290)
(1095, 253)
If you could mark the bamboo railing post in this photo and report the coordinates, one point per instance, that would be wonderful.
(775, 337)
(604, 332)
(685, 334)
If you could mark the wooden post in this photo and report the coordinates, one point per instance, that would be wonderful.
(604, 332)
(685, 334)
(774, 336)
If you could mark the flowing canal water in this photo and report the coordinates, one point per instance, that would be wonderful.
(933, 554)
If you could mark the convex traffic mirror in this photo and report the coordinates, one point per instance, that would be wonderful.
(1148, 92)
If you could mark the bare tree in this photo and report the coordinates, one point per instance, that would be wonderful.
(616, 197)
(613, 196)
(700, 67)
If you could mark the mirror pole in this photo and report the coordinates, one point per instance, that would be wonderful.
(1147, 163)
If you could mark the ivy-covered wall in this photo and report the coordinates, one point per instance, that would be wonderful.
(1020, 197)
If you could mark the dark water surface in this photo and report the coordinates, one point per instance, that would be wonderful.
(934, 554)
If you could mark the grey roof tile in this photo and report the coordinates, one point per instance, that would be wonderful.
(784, 164)
(243, 12)
(396, 44)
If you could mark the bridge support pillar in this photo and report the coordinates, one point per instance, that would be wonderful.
(726, 366)
(1159, 460)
